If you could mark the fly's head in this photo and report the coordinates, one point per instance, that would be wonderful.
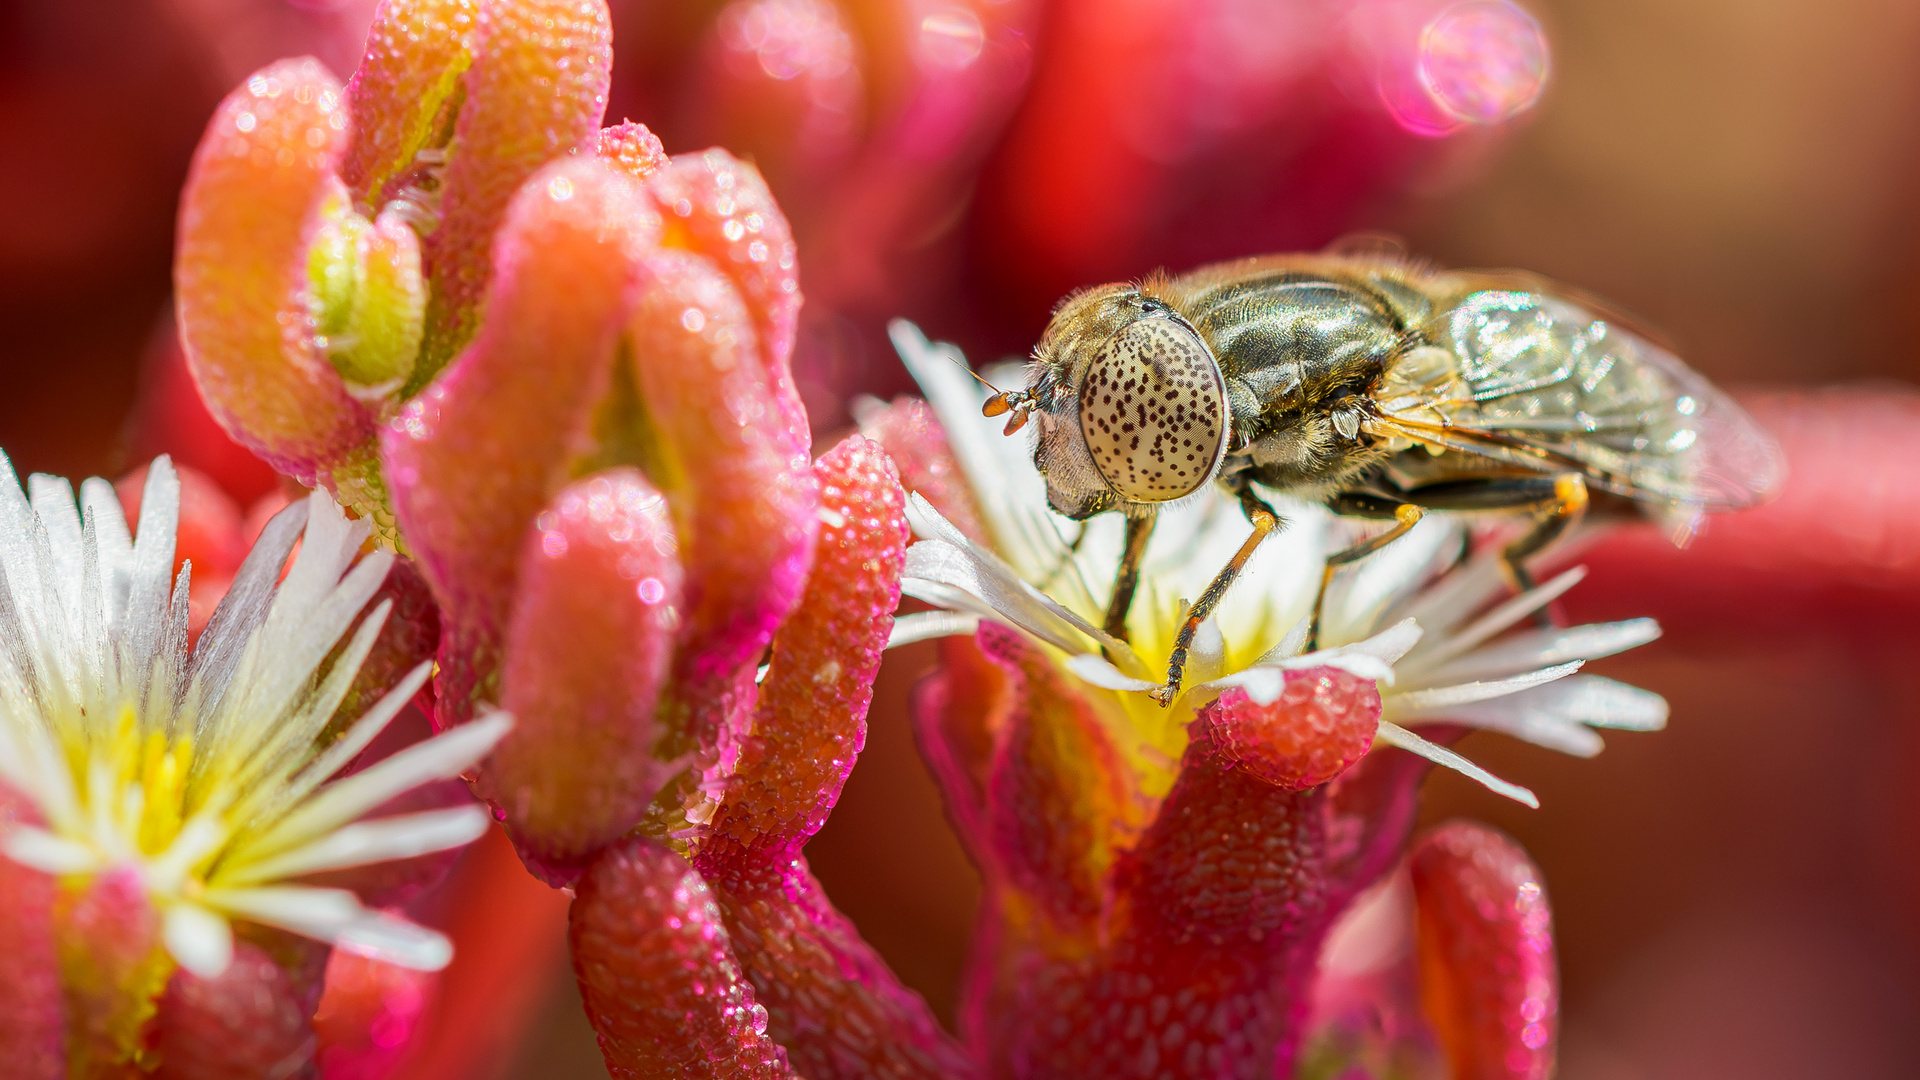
(1128, 401)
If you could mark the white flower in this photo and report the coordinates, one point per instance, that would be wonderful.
(1426, 623)
(199, 769)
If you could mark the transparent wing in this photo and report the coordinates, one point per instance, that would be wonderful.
(1538, 373)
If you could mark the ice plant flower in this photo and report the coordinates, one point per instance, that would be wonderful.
(186, 790)
(1160, 880)
(1419, 617)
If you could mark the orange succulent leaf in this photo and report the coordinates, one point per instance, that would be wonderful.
(261, 184)
(743, 496)
(1488, 981)
(476, 456)
(658, 976)
(588, 652)
(1058, 802)
(416, 52)
(718, 205)
(535, 92)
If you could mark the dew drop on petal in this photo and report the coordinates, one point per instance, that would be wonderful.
(1483, 61)
(560, 189)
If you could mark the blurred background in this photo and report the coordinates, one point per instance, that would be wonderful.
(1736, 897)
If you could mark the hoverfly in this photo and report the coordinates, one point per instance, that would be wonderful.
(1380, 388)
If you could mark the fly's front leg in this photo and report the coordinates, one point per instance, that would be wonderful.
(1126, 580)
(1405, 515)
(1265, 522)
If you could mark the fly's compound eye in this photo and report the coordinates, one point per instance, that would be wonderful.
(1153, 408)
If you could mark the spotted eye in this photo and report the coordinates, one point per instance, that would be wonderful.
(1153, 408)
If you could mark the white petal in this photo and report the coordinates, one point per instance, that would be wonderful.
(1540, 648)
(336, 915)
(1395, 735)
(396, 941)
(1502, 617)
(1580, 700)
(1432, 701)
(1098, 672)
(43, 851)
(925, 625)
(956, 562)
(1291, 644)
(199, 939)
(445, 755)
(402, 836)
(200, 837)
(1391, 644)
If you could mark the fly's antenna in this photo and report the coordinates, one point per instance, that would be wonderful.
(1017, 402)
(962, 365)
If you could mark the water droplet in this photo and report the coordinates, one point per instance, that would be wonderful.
(560, 189)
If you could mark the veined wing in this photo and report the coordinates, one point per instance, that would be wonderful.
(1540, 381)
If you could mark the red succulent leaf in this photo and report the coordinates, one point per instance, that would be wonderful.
(250, 1021)
(1487, 974)
(812, 717)
(743, 498)
(719, 206)
(33, 1023)
(659, 981)
(832, 1001)
(1319, 726)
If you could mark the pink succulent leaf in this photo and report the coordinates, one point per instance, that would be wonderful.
(535, 92)
(812, 717)
(33, 1021)
(718, 206)
(476, 456)
(658, 978)
(1487, 973)
(261, 183)
(416, 52)
(249, 1021)
(588, 652)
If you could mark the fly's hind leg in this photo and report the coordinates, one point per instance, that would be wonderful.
(1556, 515)
(1404, 515)
(1265, 523)
(1558, 502)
